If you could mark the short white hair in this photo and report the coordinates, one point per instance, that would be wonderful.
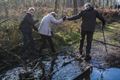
(53, 13)
(88, 5)
(31, 8)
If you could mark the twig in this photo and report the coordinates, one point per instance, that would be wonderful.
(4, 21)
(107, 43)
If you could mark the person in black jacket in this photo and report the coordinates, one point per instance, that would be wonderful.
(88, 15)
(26, 26)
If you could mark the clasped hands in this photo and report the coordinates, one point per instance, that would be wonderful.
(64, 18)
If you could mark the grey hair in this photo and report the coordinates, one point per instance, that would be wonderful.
(31, 8)
(53, 13)
(88, 6)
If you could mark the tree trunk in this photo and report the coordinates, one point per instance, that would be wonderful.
(99, 3)
(6, 9)
(107, 3)
(56, 6)
(93, 1)
(75, 6)
(81, 2)
(103, 2)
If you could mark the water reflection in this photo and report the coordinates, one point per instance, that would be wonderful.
(100, 74)
(67, 68)
(107, 74)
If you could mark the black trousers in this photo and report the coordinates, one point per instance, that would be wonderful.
(28, 42)
(47, 39)
(89, 37)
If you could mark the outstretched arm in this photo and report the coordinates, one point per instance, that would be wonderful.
(55, 21)
(78, 16)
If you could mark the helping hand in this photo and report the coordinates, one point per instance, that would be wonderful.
(64, 18)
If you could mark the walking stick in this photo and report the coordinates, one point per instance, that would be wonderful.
(104, 40)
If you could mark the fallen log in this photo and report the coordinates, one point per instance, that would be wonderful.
(85, 74)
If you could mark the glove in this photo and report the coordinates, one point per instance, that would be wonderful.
(64, 18)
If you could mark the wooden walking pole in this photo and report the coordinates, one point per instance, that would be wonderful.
(104, 40)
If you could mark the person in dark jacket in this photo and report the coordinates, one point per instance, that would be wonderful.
(88, 15)
(26, 26)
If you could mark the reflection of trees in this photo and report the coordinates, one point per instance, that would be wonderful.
(102, 74)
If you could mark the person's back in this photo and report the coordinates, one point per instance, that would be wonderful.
(26, 25)
(44, 25)
(46, 31)
(89, 19)
(88, 15)
(46, 22)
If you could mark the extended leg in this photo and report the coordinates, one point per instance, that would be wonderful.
(88, 47)
(50, 41)
(82, 41)
(43, 40)
(89, 42)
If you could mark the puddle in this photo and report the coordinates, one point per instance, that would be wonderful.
(66, 68)
(107, 74)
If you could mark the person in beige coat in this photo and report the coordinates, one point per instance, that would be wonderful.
(46, 31)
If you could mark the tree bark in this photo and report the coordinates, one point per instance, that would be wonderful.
(75, 6)
(56, 6)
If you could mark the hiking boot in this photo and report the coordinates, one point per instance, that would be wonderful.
(80, 51)
(88, 58)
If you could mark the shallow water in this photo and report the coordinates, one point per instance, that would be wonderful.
(66, 68)
(107, 74)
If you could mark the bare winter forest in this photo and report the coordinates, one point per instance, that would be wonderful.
(65, 65)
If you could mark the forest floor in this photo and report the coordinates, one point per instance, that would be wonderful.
(99, 56)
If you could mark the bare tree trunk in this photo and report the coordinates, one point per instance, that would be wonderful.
(107, 3)
(75, 6)
(81, 2)
(113, 3)
(6, 9)
(103, 2)
(56, 6)
(68, 4)
(63, 6)
(88, 0)
(25, 3)
(99, 3)
(93, 1)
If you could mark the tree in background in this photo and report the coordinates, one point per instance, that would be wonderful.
(75, 6)
(56, 6)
